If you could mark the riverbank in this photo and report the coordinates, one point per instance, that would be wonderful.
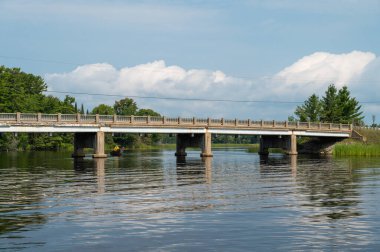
(369, 148)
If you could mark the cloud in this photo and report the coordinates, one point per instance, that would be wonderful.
(310, 74)
(313, 73)
(158, 80)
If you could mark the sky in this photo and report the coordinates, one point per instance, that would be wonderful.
(247, 58)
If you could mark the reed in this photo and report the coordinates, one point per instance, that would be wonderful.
(357, 149)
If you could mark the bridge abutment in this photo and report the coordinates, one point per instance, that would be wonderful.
(202, 141)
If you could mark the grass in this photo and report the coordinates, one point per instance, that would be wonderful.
(370, 148)
(357, 149)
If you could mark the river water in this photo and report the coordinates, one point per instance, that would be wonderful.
(150, 201)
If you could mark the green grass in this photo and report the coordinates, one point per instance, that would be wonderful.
(357, 149)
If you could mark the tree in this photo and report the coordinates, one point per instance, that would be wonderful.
(19, 91)
(336, 106)
(349, 107)
(103, 109)
(125, 106)
(310, 110)
(147, 112)
(330, 105)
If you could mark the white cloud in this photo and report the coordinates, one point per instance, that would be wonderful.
(294, 83)
(313, 73)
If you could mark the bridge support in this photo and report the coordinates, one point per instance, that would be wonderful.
(203, 141)
(287, 143)
(89, 140)
(99, 145)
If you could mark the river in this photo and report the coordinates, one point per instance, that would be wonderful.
(150, 201)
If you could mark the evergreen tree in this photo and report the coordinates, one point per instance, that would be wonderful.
(349, 107)
(310, 110)
(330, 105)
(336, 106)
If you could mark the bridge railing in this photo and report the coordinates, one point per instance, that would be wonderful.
(175, 121)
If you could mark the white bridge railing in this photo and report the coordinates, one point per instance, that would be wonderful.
(39, 118)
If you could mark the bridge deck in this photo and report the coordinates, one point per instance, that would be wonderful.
(37, 122)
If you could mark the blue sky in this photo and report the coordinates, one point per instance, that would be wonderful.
(208, 49)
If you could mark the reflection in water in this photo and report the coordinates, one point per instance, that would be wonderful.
(151, 201)
(192, 170)
(100, 162)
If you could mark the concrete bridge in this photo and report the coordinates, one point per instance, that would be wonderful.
(89, 130)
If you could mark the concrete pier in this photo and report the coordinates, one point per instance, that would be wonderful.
(89, 140)
(202, 141)
(287, 143)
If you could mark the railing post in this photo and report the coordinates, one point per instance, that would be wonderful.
(320, 125)
(132, 119)
(308, 124)
(78, 117)
(59, 117)
(249, 122)
(179, 120)
(114, 118)
(97, 118)
(274, 123)
(351, 126)
(236, 121)
(340, 126)
(330, 125)
(286, 124)
(18, 117)
(194, 120)
(222, 121)
(163, 120)
(262, 124)
(39, 117)
(148, 119)
(297, 125)
(208, 121)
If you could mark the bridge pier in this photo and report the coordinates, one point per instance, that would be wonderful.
(203, 141)
(99, 145)
(89, 140)
(287, 143)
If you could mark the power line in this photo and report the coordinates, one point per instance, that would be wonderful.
(191, 99)
(176, 98)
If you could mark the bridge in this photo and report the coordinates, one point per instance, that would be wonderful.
(89, 130)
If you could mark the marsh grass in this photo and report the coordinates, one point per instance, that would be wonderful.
(357, 149)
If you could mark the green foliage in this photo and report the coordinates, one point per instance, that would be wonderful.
(125, 106)
(357, 149)
(147, 112)
(336, 106)
(20, 91)
(349, 107)
(310, 110)
(103, 109)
